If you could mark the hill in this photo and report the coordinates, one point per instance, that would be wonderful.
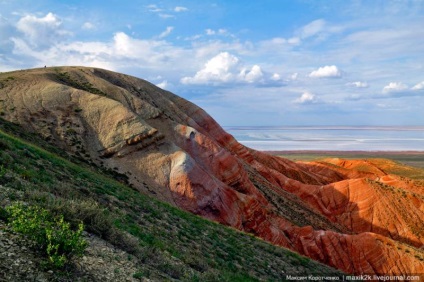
(350, 215)
(130, 235)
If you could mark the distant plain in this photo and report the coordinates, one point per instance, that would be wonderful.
(413, 159)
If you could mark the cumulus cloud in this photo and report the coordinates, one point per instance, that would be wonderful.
(42, 32)
(395, 87)
(163, 84)
(275, 77)
(251, 76)
(399, 89)
(419, 86)
(326, 72)
(226, 68)
(358, 84)
(306, 98)
(218, 69)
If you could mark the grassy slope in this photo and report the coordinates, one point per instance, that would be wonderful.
(170, 243)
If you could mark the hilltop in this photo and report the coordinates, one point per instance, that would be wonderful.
(351, 215)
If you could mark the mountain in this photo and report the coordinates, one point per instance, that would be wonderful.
(350, 215)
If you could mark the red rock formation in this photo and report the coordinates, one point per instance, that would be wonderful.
(348, 214)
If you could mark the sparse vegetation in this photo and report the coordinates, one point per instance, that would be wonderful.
(66, 78)
(51, 234)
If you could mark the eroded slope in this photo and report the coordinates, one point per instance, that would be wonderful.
(333, 212)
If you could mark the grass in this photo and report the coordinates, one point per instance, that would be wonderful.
(170, 244)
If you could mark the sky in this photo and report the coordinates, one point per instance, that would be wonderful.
(247, 63)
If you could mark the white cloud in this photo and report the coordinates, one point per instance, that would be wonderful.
(154, 8)
(163, 84)
(166, 13)
(121, 53)
(395, 87)
(226, 68)
(180, 9)
(277, 44)
(306, 98)
(277, 41)
(254, 75)
(312, 28)
(193, 37)
(219, 69)
(42, 32)
(399, 89)
(294, 41)
(275, 77)
(88, 26)
(358, 84)
(166, 16)
(419, 86)
(326, 72)
(221, 31)
(166, 32)
(317, 31)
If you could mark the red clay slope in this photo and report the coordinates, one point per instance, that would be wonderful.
(349, 215)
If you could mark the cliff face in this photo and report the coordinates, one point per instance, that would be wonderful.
(347, 214)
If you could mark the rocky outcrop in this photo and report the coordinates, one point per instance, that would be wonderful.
(350, 215)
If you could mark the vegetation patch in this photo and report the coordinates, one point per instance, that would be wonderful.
(52, 234)
(66, 78)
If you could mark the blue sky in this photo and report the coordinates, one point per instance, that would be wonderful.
(269, 62)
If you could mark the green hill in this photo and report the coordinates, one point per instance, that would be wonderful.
(151, 240)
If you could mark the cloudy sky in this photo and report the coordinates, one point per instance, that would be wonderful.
(269, 62)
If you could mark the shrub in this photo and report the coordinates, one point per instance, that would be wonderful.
(4, 215)
(52, 234)
(138, 275)
(4, 145)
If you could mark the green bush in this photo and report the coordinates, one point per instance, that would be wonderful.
(4, 215)
(52, 234)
